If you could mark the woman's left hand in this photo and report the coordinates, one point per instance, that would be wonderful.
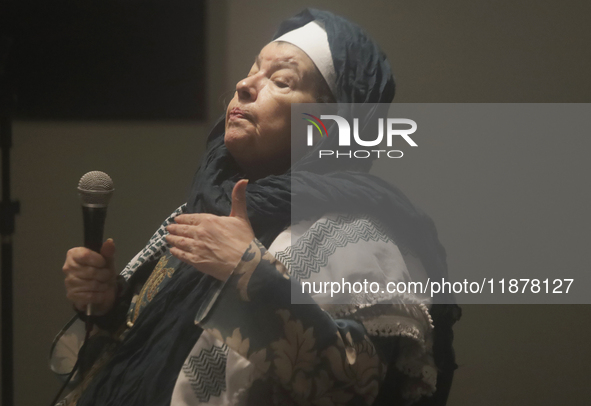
(213, 244)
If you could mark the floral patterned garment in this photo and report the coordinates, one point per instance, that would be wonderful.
(258, 348)
(297, 354)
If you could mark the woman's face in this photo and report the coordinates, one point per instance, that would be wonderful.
(258, 118)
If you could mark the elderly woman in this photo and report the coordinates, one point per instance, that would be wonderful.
(202, 315)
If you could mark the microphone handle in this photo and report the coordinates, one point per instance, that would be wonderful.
(94, 224)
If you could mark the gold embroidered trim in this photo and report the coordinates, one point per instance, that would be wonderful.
(150, 288)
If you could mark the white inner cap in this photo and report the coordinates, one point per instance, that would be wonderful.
(312, 39)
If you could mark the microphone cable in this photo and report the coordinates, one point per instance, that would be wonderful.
(75, 368)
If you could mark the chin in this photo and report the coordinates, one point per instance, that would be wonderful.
(235, 141)
(238, 145)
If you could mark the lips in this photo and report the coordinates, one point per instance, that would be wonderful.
(237, 113)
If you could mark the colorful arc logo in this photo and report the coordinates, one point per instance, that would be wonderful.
(310, 129)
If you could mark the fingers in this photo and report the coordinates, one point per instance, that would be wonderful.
(88, 273)
(239, 200)
(182, 230)
(182, 237)
(182, 243)
(86, 257)
(86, 264)
(193, 219)
(108, 253)
(77, 285)
(91, 277)
(182, 255)
(82, 292)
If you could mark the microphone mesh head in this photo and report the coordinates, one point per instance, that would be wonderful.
(95, 189)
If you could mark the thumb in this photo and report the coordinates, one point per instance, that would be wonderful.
(239, 200)
(108, 252)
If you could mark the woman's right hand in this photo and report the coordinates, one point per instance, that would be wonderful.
(91, 278)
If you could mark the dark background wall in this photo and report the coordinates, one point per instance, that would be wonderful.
(454, 51)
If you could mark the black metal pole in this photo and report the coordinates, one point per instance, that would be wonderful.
(8, 211)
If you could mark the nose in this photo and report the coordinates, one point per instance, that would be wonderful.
(247, 88)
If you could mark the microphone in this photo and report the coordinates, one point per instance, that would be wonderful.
(95, 190)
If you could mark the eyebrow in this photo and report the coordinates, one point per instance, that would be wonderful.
(257, 61)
